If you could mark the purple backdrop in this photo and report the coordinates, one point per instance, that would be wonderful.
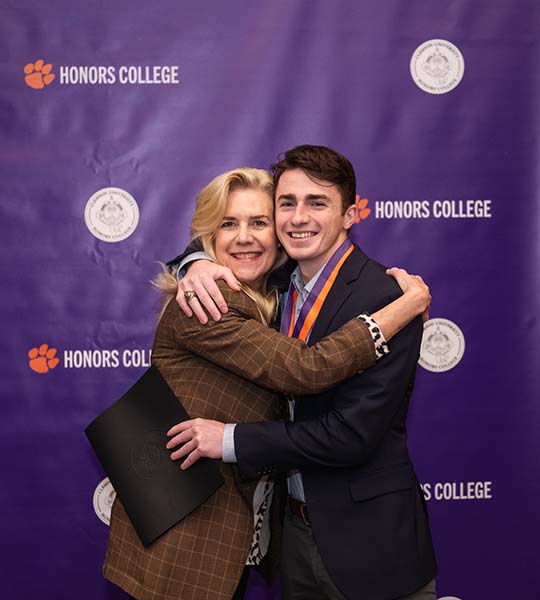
(157, 99)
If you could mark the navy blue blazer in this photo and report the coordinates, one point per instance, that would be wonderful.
(367, 510)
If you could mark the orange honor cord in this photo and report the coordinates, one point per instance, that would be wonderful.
(319, 301)
(314, 302)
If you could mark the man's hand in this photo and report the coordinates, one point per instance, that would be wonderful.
(415, 286)
(201, 279)
(200, 437)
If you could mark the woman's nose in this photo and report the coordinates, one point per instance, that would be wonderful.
(244, 235)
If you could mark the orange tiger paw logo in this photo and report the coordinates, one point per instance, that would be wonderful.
(42, 359)
(363, 211)
(38, 74)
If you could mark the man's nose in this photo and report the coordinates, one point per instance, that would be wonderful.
(300, 216)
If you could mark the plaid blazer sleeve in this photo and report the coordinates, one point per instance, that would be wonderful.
(240, 343)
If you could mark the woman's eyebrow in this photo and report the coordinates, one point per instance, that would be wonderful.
(265, 216)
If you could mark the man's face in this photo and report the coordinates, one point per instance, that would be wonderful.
(310, 223)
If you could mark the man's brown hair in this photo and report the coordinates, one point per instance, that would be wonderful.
(322, 163)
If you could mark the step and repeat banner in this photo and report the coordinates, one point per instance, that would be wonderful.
(113, 116)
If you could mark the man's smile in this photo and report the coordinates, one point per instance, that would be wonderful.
(300, 235)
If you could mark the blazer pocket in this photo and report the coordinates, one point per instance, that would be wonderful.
(383, 482)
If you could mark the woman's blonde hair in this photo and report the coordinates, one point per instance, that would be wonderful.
(209, 212)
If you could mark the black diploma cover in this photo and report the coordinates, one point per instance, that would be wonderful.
(129, 439)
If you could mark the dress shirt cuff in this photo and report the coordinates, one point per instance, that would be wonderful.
(227, 445)
(182, 267)
(381, 346)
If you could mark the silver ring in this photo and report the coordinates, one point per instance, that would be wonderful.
(189, 295)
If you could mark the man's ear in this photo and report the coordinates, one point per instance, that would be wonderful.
(350, 216)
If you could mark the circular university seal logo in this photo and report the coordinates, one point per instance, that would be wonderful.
(437, 66)
(443, 345)
(111, 214)
(104, 496)
(147, 456)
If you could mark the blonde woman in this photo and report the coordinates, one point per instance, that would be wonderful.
(232, 370)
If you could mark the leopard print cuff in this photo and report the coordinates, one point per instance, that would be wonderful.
(381, 346)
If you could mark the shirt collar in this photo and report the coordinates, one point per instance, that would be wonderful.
(298, 282)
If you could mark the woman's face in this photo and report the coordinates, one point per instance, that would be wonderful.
(245, 241)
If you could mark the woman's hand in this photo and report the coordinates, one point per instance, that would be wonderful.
(415, 301)
(201, 279)
(415, 288)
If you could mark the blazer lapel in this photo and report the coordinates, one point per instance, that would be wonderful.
(340, 292)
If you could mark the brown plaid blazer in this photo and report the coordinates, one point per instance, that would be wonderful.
(227, 371)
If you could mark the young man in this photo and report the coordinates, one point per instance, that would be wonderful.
(356, 524)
